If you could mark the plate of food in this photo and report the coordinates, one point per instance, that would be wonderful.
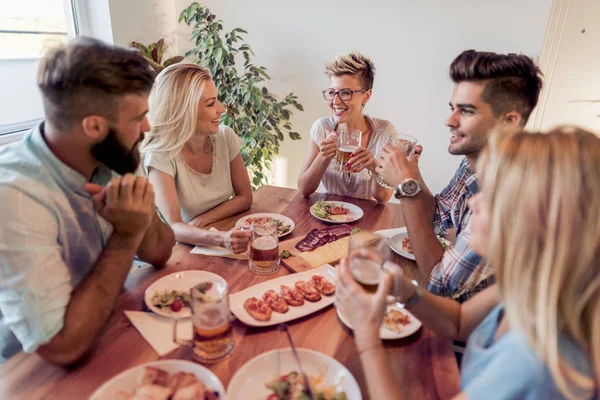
(286, 298)
(284, 224)
(169, 296)
(397, 322)
(400, 243)
(275, 375)
(167, 379)
(336, 212)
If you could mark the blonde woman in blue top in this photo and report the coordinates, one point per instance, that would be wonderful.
(536, 333)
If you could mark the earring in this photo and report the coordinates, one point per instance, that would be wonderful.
(363, 104)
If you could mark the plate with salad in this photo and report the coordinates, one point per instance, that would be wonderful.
(169, 296)
(275, 375)
(336, 212)
(285, 225)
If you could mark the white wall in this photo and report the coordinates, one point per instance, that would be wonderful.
(412, 44)
(572, 65)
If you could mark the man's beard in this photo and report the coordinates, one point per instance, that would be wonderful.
(112, 153)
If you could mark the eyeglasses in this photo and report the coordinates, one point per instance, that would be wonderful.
(344, 94)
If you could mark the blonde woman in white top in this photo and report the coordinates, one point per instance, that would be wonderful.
(350, 87)
(193, 162)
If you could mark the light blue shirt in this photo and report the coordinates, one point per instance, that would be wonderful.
(50, 238)
(509, 368)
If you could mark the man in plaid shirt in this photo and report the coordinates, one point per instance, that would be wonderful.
(491, 91)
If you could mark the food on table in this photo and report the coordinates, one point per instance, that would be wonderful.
(276, 302)
(308, 290)
(155, 384)
(260, 222)
(355, 230)
(258, 309)
(320, 237)
(331, 211)
(291, 387)
(396, 320)
(171, 300)
(406, 245)
(285, 254)
(323, 285)
(408, 248)
(291, 296)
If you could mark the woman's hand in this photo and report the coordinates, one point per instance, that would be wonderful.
(328, 146)
(236, 240)
(361, 159)
(365, 311)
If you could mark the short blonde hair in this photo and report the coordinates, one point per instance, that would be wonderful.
(353, 64)
(543, 193)
(173, 108)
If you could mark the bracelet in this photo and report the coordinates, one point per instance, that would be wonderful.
(416, 297)
(371, 347)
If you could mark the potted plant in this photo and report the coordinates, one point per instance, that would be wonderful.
(251, 109)
(154, 53)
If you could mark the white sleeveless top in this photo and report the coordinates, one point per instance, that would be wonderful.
(356, 185)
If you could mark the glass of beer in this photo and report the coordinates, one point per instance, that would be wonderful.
(348, 142)
(407, 144)
(264, 248)
(211, 321)
(369, 258)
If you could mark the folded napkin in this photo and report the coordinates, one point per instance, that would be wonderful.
(218, 251)
(158, 330)
(388, 233)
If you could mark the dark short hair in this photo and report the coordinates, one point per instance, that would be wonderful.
(89, 77)
(512, 82)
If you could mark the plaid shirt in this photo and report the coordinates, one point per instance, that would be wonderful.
(461, 272)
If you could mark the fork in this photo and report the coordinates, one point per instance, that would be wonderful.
(284, 327)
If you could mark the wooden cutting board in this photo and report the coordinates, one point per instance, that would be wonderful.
(304, 261)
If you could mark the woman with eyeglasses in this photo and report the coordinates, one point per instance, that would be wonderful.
(350, 87)
(536, 333)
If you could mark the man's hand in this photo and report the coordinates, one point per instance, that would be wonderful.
(236, 240)
(394, 167)
(126, 202)
(328, 146)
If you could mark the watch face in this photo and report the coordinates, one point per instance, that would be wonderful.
(410, 187)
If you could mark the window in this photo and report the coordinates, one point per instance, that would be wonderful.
(28, 28)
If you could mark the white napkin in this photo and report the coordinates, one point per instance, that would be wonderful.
(158, 330)
(388, 233)
(218, 251)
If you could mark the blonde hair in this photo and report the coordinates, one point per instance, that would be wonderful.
(543, 195)
(353, 64)
(173, 108)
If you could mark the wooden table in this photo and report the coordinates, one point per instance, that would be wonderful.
(423, 363)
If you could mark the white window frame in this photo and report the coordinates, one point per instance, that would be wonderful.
(13, 132)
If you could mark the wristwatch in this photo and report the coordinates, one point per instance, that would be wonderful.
(408, 188)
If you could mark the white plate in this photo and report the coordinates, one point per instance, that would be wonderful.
(241, 223)
(355, 212)
(385, 333)
(183, 281)
(236, 300)
(248, 383)
(396, 245)
(127, 380)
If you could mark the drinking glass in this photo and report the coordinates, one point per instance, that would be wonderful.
(264, 248)
(407, 144)
(348, 142)
(211, 321)
(369, 258)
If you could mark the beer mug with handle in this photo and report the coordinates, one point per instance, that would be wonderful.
(348, 142)
(211, 321)
(369, 258)
(407, 144)
(264, 248)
